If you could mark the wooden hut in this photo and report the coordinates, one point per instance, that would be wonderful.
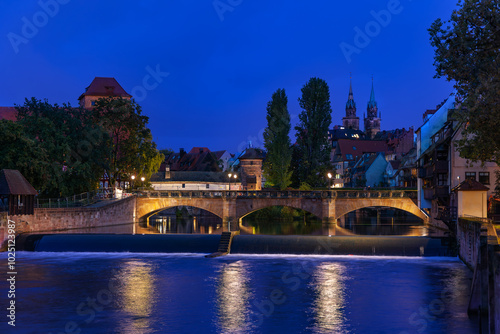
(17, 195)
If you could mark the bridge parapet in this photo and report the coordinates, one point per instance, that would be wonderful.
(281, 194)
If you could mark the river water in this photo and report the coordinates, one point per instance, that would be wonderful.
(360, 222)
(188, 293)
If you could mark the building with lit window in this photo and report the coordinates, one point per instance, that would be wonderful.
(440, 167)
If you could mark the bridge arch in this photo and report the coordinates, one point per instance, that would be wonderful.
(343, 207)
(246, 207)
(270, 206)
(147, 207)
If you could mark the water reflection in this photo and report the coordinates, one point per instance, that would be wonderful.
(381, 221)
(137, 291)
(205, 224)
(328, 308)
(232, 298)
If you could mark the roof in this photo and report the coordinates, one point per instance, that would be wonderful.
(219, 154)
(470, 185)
(12, 182)
(104, 87)
(183, 176)
(253, 153)
(395, 164)
(198, 159)
(357, 148)
(8, 113)
(343, 133)
(434, 123)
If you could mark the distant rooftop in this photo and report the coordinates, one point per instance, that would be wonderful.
(8, 113)
(104, 87)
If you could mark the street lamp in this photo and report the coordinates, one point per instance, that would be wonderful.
(230, 175)
(132, 183)
(329, 180)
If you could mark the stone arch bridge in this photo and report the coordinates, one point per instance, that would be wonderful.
(232, 206)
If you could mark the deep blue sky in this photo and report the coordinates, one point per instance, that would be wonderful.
(224, 68)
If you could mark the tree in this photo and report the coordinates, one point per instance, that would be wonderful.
(313, 152)
(467, 52)
(133, 151)
(57, 148)
(277, 142)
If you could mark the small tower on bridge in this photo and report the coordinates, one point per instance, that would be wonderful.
(251, 169)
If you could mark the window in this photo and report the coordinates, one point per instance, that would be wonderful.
(484, 177)
(92, 103)
(442, 179)
(470, 176)
(348, 156)
(337, 176)
(183, 185)
(354, 148)
(208, 186)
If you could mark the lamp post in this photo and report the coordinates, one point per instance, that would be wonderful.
(142, 181)
(231, 175)
(132, 183)
(329, 181)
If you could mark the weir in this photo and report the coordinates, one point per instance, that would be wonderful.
(241, 244)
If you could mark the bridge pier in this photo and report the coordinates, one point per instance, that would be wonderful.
(328, 211)
(230, 221)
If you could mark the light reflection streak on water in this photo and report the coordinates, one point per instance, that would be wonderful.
(232, 298)
(328, 283)
(137, 291)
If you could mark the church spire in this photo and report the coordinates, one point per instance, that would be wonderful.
(350, 99)
(372, 103)
(372, 122)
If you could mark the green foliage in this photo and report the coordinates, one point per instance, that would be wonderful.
(57, 148)
(132, 148)
(312, 156)
(166, 151)
(305, 187)
(467, 49)
(277, 142)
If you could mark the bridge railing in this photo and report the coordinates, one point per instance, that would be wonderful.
(78, 200)
(315, 194)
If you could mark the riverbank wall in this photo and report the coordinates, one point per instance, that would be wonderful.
(478, 248)
(102, 219)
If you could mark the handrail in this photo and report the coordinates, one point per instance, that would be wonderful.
(313, 194)
(79, 200)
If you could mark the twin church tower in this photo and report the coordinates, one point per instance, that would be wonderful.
(372, 121)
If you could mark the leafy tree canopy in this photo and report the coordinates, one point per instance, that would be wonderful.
(133, 151)
(277, 142)
(57, 148)
(312, 156)
(467, 49)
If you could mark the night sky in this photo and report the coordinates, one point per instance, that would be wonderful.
(224, 59)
